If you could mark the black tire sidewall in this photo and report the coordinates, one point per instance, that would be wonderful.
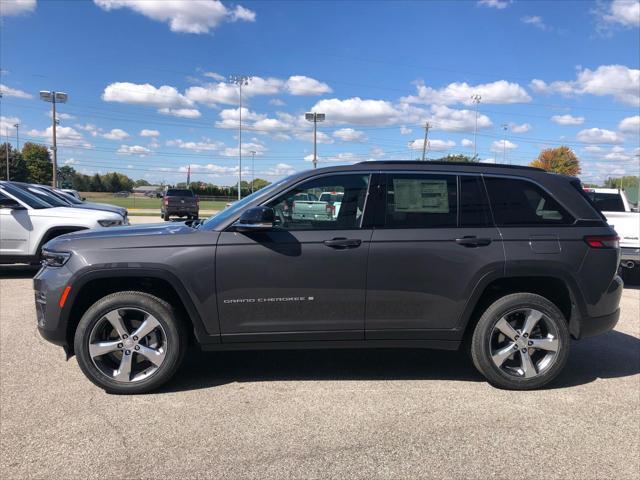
(162, 311)
(480, 345)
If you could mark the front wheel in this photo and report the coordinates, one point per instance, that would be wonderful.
(129, 342)
(521, 342)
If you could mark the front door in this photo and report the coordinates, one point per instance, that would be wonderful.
(15, 227)
(435, 241)
(306, 278)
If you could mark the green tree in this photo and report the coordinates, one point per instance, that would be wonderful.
(457, 158)
(622, 182)
(141, 183)
(17, 166)
(66, 174)
(38, 163)
(558, 160)
(95, 184)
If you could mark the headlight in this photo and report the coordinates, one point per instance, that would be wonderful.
(109, 223)
(54, 259)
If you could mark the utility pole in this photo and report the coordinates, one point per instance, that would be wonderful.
(253, 168)
(188, 175)
(315, 118)
(6, 149)
(504, 143)
(53, 98)
(427, 126)
(240, 80)
(476, 99)
(17, 125)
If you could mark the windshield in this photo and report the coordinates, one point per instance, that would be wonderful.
(47, 197)
(607, 202)
(25, 197)
(236, 207)
(67, 197)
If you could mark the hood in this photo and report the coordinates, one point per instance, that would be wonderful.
(74, 213)
(104, 207)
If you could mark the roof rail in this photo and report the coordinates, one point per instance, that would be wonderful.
(440, 162)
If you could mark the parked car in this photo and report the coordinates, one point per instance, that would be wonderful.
(508, 262)
(58, 198)
(73, 193)
(613, 203)
(28, 221)
(180, 202)
(334, 199)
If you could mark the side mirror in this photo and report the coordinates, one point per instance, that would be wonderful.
(256, 218)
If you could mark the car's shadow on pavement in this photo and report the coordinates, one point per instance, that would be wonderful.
(18, 271)
(612, 355)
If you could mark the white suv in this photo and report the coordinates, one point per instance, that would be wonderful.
(27, 222)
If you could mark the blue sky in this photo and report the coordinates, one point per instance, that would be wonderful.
(149, 92)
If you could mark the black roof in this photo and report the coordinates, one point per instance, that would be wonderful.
(446, 164)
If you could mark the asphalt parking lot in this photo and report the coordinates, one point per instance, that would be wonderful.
(316, 414)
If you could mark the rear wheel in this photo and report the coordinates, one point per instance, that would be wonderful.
(521, 342)
(166, 217)
(129, 342)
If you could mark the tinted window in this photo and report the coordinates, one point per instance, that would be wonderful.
(25, 197)
(302, 209)
(520, 202)
(175, 192)
(421, 201)
(474, 204)
(607, 202)
(47, 197)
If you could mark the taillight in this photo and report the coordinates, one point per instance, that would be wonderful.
(330, 208)
(166, 201)
(609, 241)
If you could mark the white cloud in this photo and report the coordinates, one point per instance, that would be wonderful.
(619, 81)
(523, 128)
(301, 85)
(343, 157)
(466, 143)
(133, 150)
(499, 92)
(276, 102)
(434, 145)
(592, 149)
(7, 125)
(145, 132)
(630, 125)
(281, 169)
(214, 75)
(567, 120)
(116, 134)
(405, 130)
(501, 145)
(214, 93)
(358, 111)
(181, 112)
(206, 145)
(247, 148)
(452, 120)
(67, 136)
(60, 115)
(598, 135)
(10, 8)
(321, 137)
(499, 4)
(13, 92)
(194, 16)
(145, 94)
(624, 13)
(349, 135)
(535, 21)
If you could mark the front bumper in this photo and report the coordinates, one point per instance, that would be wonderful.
(48, 284)
(630, 253)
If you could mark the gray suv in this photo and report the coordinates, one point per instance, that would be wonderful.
(506, 262)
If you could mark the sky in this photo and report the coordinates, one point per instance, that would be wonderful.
(149, 90)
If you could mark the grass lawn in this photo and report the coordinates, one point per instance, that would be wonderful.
(144, 202)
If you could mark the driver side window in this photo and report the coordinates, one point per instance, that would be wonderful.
(326, 203)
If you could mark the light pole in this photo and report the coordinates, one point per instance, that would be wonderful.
(253, 168)
(53, 98)
(17, 125)
(504, 143)
(476, 99)
(315, 118)
(427, 126)
(240, 80)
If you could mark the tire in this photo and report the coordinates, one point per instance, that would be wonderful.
(152, 360)
(523, 367)
(166, 217)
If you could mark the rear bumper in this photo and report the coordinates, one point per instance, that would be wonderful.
(592, 326)
(630, 253)
(588, 326)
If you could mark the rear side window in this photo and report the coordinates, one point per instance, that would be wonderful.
(518, 202)
(421, 201)
(474, 204)
(175, 192)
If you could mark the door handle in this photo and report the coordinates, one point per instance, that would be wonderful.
(343, 243)
(471, 242)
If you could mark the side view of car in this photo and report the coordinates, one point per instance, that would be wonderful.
(506, 262)
(28, 221)
(180, 202)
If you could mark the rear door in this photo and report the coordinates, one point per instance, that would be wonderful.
(303, 280)
(15, 228)
(434, 241)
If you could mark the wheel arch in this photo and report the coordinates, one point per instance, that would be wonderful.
(54, 232)
(90, 287)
